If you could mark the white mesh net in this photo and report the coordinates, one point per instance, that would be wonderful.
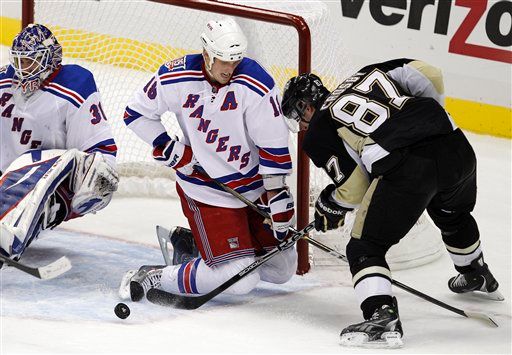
(123, 42)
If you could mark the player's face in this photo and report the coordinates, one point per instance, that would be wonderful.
(309, 111)
(222, 71)
(27, 66)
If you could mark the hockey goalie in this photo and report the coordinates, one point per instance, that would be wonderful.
(57, 155)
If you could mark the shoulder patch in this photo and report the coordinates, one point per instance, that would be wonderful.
(176, 64)
(188, 62)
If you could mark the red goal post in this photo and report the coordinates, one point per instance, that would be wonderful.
(304, 65)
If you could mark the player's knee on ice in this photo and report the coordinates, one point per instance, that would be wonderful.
(280, 268)
(195, 277)
(186, 280)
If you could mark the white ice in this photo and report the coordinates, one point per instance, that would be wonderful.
(74, 313)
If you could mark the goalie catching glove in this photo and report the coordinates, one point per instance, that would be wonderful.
(94, 183)
(329, 214)
(175, 155)
(280, 208)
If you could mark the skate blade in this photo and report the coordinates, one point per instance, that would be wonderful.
(495, 296)
(389, 340)
(164, 239)
(492, 296)
(124, 288)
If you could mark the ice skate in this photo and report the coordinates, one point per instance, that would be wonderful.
(480, 281)
(146, 278)
(182, 240)
(184, 247)
(382, 330)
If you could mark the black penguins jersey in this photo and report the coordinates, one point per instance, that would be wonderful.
(380, 109)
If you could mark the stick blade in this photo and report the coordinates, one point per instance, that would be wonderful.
(482, 317)
(57, 268)
(167, 299)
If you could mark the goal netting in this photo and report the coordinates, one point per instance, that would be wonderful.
(123, 42)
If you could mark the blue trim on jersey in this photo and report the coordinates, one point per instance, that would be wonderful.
(8, 73)
(6, 86)
(161, 139)
(251, 187)
(252, 87)
(253, 69)
(62, 96)
(273, 164)
(241, 189)
(238, 176)
(197, 181)
(276, 151)
(179, 80)
(98, 147)
(77, 79)
(132, 115)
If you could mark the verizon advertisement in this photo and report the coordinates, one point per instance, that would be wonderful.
(470, 40)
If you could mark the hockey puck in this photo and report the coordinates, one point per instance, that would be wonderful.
(122, 310)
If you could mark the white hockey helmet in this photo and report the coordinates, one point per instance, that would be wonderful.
(225, 40)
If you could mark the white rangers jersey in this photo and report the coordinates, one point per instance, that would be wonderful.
(64, 113)
(236, 131)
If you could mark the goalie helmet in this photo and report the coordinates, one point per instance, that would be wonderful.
(34, 55)
(225, 40)
(300, 90)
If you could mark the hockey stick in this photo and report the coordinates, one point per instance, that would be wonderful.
(57, 268)
(164, 298)
(475, 315)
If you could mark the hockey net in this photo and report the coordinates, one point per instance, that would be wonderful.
(123, 42)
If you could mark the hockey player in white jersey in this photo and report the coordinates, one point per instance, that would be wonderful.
(227, 106)
(57, 156)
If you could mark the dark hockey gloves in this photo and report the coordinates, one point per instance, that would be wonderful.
(177, 155)
(328, 214)
(281, 210)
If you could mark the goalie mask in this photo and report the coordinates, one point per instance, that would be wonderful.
(300, 91)
(35, 54)
(224, 39)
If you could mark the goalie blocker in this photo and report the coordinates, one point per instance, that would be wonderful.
(41, 189)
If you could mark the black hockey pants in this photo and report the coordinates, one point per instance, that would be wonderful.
(438, 175)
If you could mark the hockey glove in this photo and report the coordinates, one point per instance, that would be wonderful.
(328, 214)
(281, 211)
(95, 181)
(176, 155)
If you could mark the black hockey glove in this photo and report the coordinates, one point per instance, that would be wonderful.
(328, 214)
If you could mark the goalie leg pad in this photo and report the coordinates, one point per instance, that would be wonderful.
(27, 203)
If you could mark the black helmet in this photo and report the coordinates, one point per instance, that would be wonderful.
(304, 89)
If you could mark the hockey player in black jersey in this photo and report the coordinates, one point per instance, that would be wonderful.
(392, 151)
